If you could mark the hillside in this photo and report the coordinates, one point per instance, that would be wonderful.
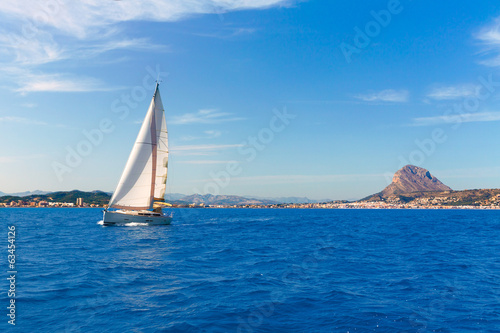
(477, 197)
(209, 199)
(417, 186)
(94, 197)
(410, 179)
(102, 198)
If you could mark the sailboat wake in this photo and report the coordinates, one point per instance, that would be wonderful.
(128, 224)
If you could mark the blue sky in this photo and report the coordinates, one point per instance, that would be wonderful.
(324, 99)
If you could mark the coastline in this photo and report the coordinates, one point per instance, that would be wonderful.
(299, 206)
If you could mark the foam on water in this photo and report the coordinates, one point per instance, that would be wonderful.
(135, 224)
(126, 224)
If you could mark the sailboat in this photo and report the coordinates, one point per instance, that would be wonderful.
(139, 195)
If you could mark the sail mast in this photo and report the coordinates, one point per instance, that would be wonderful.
(161, 149)
(154, 144)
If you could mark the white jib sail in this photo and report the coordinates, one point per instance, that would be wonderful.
(145, 173)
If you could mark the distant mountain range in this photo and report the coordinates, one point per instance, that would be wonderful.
(291, 200)
(173, 196)
(101, 198)
(411, 185)
(23, 194)
(209, 199)
(94, 197)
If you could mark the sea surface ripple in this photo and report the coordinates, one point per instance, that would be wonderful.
(256, 270)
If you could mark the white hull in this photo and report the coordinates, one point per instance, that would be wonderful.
(146, 217)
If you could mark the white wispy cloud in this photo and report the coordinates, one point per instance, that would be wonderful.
(453, 92)
(212, 134)
(204, 147)
(228, 33)
(28, 121)
(205, 116)
(201, 150)
(489, 36)
(457, 118)
(27, 81)
(58, 82)
(139, 44)
(388, 95)
(205, 162)
(21, 120)
(80, 18)
(35, 33)
(28, 51)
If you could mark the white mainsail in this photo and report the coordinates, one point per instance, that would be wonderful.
(145, 175)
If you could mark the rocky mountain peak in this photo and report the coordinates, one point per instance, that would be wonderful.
(411, 178)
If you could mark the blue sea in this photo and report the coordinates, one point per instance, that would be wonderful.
(255, 270)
